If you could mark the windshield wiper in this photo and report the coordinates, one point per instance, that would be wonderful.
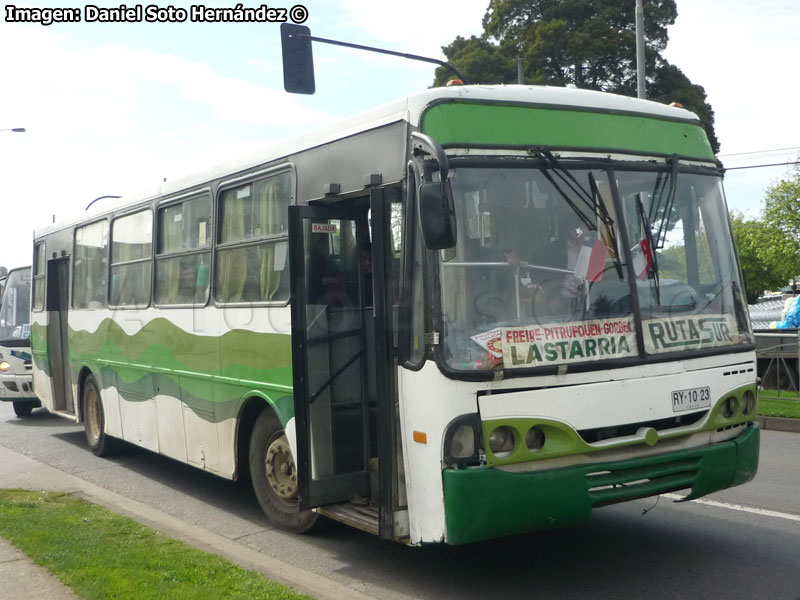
(569, 180)
(666, 210)
(593, 200)
(651, 250)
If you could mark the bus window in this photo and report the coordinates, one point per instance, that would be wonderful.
(90, 266)
(38, 277)
(131, 249)
(183, 252)
(15, 316)
(249, 270)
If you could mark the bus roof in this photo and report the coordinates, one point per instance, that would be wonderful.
(407, 109)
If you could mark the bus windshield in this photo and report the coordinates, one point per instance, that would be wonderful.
(541, 275)
(15, 310)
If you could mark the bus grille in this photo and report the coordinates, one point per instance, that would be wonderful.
(591, 436)
(608, 487)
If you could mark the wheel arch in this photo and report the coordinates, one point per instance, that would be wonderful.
(253, 403)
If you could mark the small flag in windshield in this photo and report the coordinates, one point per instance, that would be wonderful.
(642, 258)
(591, 258)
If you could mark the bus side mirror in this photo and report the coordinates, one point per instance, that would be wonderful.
(437, 215)
(298, 61)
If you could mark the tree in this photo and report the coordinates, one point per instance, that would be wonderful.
(781, 216)
(588, 43)
(762, 269)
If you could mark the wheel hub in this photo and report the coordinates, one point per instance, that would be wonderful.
(281, 473)
(93, 414)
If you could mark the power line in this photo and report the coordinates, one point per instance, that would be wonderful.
(797, 162)
(760, 151)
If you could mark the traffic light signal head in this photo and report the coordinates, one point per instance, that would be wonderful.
(298, 61)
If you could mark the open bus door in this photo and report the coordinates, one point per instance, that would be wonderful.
(57, 306)
(340, 363)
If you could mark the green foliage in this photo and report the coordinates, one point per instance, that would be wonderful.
(484, 61)
(763, 269)
(781, 216)
(100, 554)
(589, 43)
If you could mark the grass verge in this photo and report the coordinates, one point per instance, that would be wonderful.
(772, 403)
(100, 554)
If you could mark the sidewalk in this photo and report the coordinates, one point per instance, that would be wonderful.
(21, 579)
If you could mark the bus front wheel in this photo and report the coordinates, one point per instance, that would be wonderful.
(23, 409)
(274, 476)
(100, 443)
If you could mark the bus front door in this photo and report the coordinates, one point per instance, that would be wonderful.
(331, 342)
(57, 305)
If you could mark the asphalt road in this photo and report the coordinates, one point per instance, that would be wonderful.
(740, 543)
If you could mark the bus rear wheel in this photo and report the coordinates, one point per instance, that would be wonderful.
(94, 420)
(274, 476)
(23, 409)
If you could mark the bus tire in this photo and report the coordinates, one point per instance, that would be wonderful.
(274, 476)
(94, 420)
(23, 409)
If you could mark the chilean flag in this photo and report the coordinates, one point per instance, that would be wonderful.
(591, 258)
(642, 258)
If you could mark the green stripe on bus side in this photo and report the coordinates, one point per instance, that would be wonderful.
(39, 348)
(210, 374)
(481, 504)
(457, 123)
(162, 343)
(210, 400)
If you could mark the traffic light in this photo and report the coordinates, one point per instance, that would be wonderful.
(298, 61)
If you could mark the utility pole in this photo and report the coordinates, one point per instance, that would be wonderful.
(640, 89)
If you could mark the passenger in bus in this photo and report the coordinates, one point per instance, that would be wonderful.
(551, 266)
(494, 284)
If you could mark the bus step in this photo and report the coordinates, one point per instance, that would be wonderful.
(361, 517)
(66, 415)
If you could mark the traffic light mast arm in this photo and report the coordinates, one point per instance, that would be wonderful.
(435, 61)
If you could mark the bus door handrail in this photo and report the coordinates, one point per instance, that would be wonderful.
(315, 395)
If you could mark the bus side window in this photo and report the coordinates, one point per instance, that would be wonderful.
(131, 249)
(251, 261)
(90, 266)
(183, 252)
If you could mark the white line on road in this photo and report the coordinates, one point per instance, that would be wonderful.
(748, 509)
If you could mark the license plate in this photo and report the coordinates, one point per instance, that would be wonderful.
(699, 397)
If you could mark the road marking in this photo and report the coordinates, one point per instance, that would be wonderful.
(748, 509)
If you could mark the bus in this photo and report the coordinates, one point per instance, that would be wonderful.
(15, 351)
(374, 322)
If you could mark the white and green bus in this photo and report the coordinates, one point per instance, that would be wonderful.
(475, 312)
(16, 383)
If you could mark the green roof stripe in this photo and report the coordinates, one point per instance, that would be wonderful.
(473, 123)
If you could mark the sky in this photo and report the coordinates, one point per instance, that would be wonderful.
(116, 108)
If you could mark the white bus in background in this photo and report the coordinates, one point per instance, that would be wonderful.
(15, 346)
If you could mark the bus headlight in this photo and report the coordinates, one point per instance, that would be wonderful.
(462, 440)
(534, 439)
(5, 367)
(462, 444)
(728, 407)
(501, 441)
(748, 402)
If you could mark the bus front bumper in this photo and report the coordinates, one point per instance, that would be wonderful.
(487, 503)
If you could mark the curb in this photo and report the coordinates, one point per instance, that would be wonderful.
(20, 471)
(779, 424)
